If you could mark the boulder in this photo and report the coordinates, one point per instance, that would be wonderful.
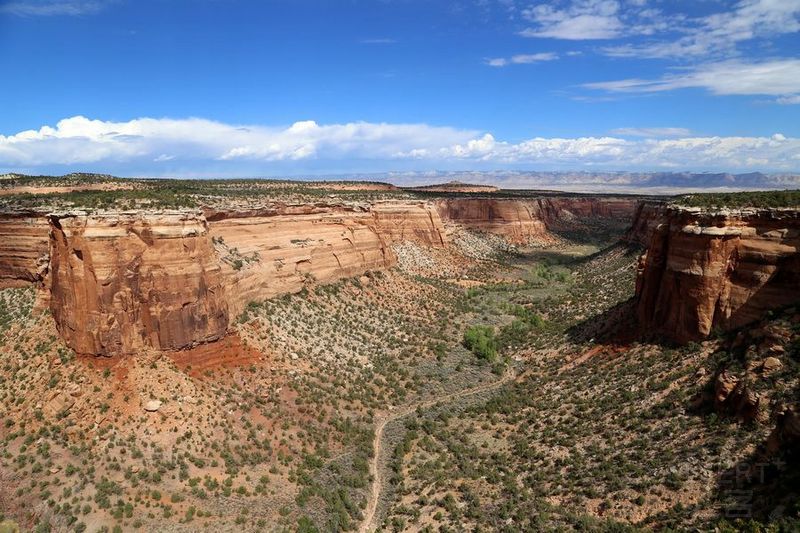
(152, 406)
(770, 365)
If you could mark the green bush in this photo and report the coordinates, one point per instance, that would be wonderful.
(481, 341)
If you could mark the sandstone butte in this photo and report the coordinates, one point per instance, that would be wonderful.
(713, 270)
(119, 282)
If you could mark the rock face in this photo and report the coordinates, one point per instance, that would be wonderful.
(518, 221)
(647, 217)
(24, 248)
(715, 270)
(268, 255)
(419, 223)
(522, 221)
(121, 282)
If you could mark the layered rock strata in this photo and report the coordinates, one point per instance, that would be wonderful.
(123, 282)
(264, 256)
(24, 248)
(708, 270)
(525, 220)
(118, 283)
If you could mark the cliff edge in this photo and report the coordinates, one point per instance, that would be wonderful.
(713, 269)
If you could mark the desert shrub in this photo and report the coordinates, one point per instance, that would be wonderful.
(787, 198)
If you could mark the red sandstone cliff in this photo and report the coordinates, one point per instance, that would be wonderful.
(715, 270)
(516, 220)
(524, 220)
(121, 282)
(647, 217)
(24, 248)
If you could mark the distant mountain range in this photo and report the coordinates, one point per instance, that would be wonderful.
(534, 179)
(648, 182)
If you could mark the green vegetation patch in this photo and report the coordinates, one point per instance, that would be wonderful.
(481, 341)
(786, 198)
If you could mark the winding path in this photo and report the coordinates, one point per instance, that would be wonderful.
(374, 467)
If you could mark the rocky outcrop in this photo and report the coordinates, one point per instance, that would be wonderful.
(707, 270)
(268, 255)
(647, 217)
(524, 220)
(24, 248)
(122, 282)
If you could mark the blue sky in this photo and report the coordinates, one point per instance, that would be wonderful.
(235, 87)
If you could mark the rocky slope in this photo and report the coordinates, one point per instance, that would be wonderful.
(707, 270)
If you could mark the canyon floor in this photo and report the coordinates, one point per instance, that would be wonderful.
(361, 404)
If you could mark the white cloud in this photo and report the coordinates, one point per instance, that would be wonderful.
(522, 59)
(581, 20)
(78, 140)
(670, 35)
(789, 100)
(716, 34)
(196, 143)
(651, 132)
(780, 77)
(31, 8)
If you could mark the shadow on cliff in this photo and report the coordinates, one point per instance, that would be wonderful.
(616, 325)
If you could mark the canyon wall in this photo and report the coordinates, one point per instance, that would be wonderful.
(416, 222)
(513, 219)
(121, 282)
(524, 220)
(118, 282)
(24, 248)
(268, 255)
(714, 270)
(278, 251)
(647, 217)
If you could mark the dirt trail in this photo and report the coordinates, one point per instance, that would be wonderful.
(374, 469)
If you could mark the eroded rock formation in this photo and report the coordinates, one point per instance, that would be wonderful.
(715, 270)
(121, 282)
(118, 283)
(268, 255)
(524, 220)
(647, 217)
(24, 248)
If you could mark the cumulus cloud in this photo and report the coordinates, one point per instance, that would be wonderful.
(194, 143)
(780, 77)
(522, 59)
